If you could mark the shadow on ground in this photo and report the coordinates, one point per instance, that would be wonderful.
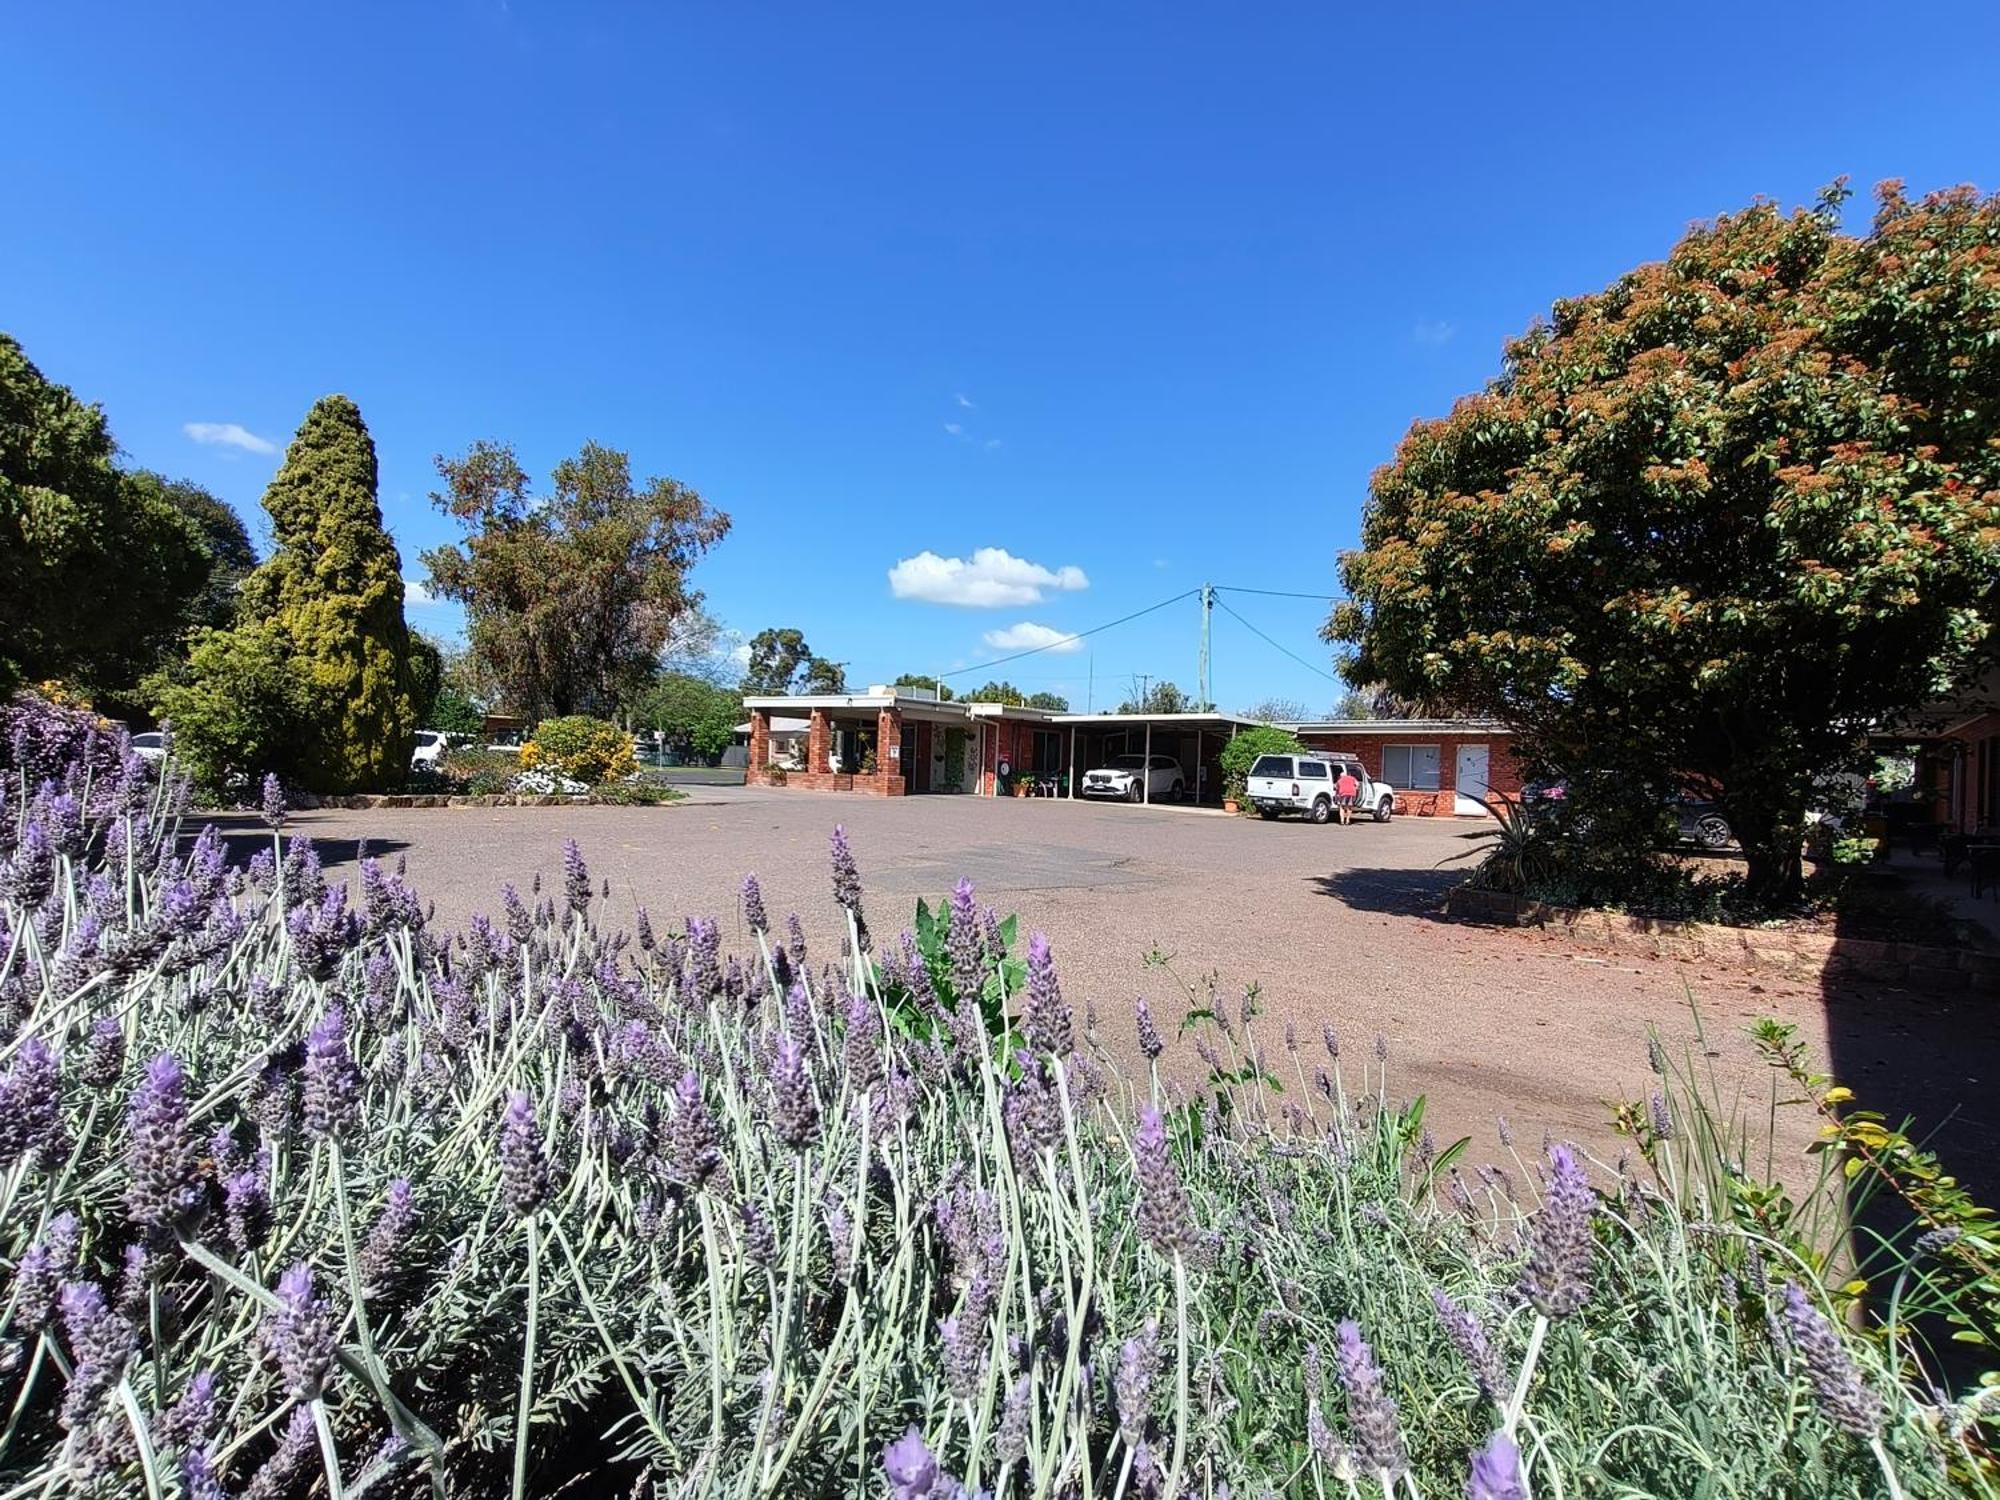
(1403, 893)
(244, 834)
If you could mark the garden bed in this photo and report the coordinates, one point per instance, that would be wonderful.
(1805, 951)
(399, 800)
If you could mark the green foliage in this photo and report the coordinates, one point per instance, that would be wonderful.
(579, 747)
(475, 771)
(954, 759)
(1712, 521)
(569, 596)
(231, 556)
(1278, 711)
(924, 683)
(333, 591)
(781, 664)
(694, 715)
(453, 712)
(98, 569)
(1006, 692)
(239, 707)
(644, 790)
(1242, 750)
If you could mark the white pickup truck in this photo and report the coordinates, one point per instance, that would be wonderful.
(1305, 784)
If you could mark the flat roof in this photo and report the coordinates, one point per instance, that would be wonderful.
(1398, 726)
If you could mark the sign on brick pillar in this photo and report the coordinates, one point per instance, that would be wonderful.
(889, 750)
(819, 743)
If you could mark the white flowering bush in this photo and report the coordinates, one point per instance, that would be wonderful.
(304, 1196)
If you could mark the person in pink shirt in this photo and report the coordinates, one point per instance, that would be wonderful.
(1345, 790)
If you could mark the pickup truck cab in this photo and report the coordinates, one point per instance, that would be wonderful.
(1305, 784)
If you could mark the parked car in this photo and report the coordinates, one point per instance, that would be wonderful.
(1697, 820)
(150, 746)
(429, 749)
(1162, 780)
(1305, 784)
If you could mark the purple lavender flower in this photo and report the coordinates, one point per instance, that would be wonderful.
(964, 1356)
(795, 944)
(760, 1240)
(198, 1477)
(692, 1153)
(847, 883)
(298, 1335)
(1662, 1117)
(520, 926)
(861, 1046)
(30, 1102)
(1557, 1276)
(1496, 1471)
(31, 871)
(1149, 1034)
(246, 1206)
(101, 1344)
(794, 1110)
(576, 878)
(161, 1188)
(1031, 1113)
(839, 1238)
(1468, 1337)
(384, 1258)
(332, 1078)
(1138, 1368)
(1371, 1411)
(1045, 1018)
(1165, 1219)
(704, 958)
(911, 1469)
(274, 801)
(191, 1422)
(273, 1481)
(963, 947)
(524, 1170)
(44, 1267)
(1844, 1397)
(1010, 1438)
(754, 915)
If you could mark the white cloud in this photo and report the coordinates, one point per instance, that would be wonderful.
(740, 655)
(991, 444)
(963, 400)
(1433, 332)
(416, 594)
(956, 429)
(228, 435)
(1161, 563)
(993, 579)
(1027, 635)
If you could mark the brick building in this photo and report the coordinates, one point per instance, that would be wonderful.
(1439, 767)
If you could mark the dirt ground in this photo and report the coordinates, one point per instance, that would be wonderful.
(1335, 926)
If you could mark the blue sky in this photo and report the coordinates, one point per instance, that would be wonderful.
(1137, 296)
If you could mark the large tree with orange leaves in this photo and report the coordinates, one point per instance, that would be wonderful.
(1714, 522)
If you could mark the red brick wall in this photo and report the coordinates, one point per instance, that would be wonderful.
(1503, 777)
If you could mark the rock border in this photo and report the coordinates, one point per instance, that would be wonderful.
(1770, 950)
(400, 801)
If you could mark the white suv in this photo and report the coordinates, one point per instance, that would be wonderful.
(1305, 784)
(1119, 777)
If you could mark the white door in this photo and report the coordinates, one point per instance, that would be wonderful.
(1470, 780)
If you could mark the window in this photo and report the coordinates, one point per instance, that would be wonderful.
(1312, 770)
(1165, 763)
(1048, 753)
(1414, 768)
(1272, 765)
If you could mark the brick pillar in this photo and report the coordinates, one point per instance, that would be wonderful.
(760, 745)
(819, 743)
(890, 772)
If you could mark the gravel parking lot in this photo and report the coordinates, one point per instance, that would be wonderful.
(1335, 925)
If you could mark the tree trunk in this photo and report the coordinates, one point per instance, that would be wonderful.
(1772, 835)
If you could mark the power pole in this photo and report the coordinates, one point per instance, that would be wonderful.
(1201, 670)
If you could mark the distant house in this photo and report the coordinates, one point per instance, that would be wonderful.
(1440, 768)
(1958, 755)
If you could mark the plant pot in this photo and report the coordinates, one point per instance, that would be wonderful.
(1230, 805)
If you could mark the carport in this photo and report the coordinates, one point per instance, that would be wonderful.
(1195, 740)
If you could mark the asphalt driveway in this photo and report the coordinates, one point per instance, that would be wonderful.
(1334, 925)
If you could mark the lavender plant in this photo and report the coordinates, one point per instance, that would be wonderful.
(309, 1197)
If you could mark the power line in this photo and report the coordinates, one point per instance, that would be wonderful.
(1065, 640)
(1277, 593)
(1274, 645)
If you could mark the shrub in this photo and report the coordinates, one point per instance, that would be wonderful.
(1241, 753)
(581, 748)
(640, 790)
(42, 737)
(286, 1175)
(240, 706)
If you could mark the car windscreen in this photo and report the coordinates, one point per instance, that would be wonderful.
(1272, 765)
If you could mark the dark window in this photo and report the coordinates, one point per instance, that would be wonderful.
(1312, 770)
(1272, 765)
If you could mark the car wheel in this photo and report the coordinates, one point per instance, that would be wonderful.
(1137, 792)
(1267, 813)
(1711, 831)
(1176, 792)
(1322, 810)
(1385, 809)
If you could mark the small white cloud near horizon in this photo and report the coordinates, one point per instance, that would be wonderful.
(1433, 332)
(415, 593)
(963, 400)
(956, 429)
(993, 579)
(1027, 636)
(228, 435)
